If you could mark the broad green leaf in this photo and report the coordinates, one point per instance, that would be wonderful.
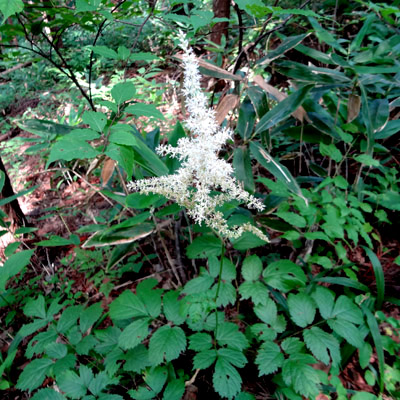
(233, 356)
(122, 92)
(55, 241)
(122, 136)
(137, 359)
(10, 7)
(167, 342)
(325, 300)
(368, 160)
(348, 331)
(198, 285)
(269, 358)
(226, 379)
(283, 109)
(247, 116)
(252, 268)
(301, 309)
(267, 312)
(96, 120)
(105, 52)
(247, 241)
(72, 385)
(47, 394)
(298, 374)
(82, 134)
(346, 310)
(242, 166)
(331, 151)
(56, 350)
(228, 268)
(204, 246)
(200, 341)
(150, 297)
(127, 305)
(99, 383)
(259, 100)
(292, 218)
(70, 149)
(13, 266)
(257, 291)
(226, 295)
(228, 334)
(204, 359)
(284, 275)
(124, 155)
(143, 57)
(172, 307)
(33, 374)
(174, 390)
(68, 318)
(275, 168)
(89, 316)
(319, 342)
(144, 110)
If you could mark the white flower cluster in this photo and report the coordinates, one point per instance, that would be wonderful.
(203, 182)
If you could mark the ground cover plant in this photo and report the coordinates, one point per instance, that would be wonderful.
(208, 200)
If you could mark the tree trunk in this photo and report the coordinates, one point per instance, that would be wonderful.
(221, 9)
(12, 209)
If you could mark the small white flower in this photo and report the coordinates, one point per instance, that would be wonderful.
(203, 182)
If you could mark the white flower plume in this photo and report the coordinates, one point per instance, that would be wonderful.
(203, 182)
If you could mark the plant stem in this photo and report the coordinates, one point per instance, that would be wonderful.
(221, 265)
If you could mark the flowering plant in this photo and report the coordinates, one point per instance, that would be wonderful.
(201, 173)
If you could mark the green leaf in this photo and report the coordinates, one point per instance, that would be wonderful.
(200, 341)
(356, 43)
(284, 275)
(56, 350)
(319, 342)
(96, 120)
(99, 383)
(33, 374)
(269, 358)
(267, 312)
(379, 276)
(137, 359)
(2, 180)
(235, 357)
(204, 359)
(70, 149)
(122, 92)
(257, 291)
(242, 166)
(331, 151)
(346, 310)
(124, 155)
(167, 342)
(228, 269)
(247, 241)
(325, 36)
(72, 385)
(134, 334)
(105, 51)
(283, 109)
(292, 218)
(364, 396)
(174, 390)
(367, 159)
(276, 168)
(68, 318)
(13, 266)
(172, 308)
(228, 335)
(348, 331)
(204, 246)
(55, 241)
(127, 305)
(89, 316)
(301, 309)
(10, 7)
(251, 268)
(122, 136)
(143, 57)
(144, 110)
(150, 297)
(199, 284)
(302, 377)
(247, 116)
(47, 394)
(226, 379)
(325, 300)
(35, 308)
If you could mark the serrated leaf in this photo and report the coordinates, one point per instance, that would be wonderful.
(284, 275)
(204, 246)
(301, 309)
(122, 92)
(56, 350)
(257, 291)
(233, 356)
(134, 334)
(174, 390)
(70, 149)
(167, 342)
(302, 377)
(33, 374)
(267, 312)
(68, 318)
(172, 307)
(13, 265)
(200, 341)
(228, 269)
(96, 120)
(150, 297)
(319, 342)
(102, 50)
(99, 383)
(226, 379)
(127, 305)
(269, 358)
(346, 310)
(226, 295)
(199, 284)
(204, 359)
(72, 385)
(251, 268)
(137, 359)
(228, 334)
(325, 300)
(348, 331)
(122, 137)
(292, 345)
(35, 308)
(89, 316)
(124, 155)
